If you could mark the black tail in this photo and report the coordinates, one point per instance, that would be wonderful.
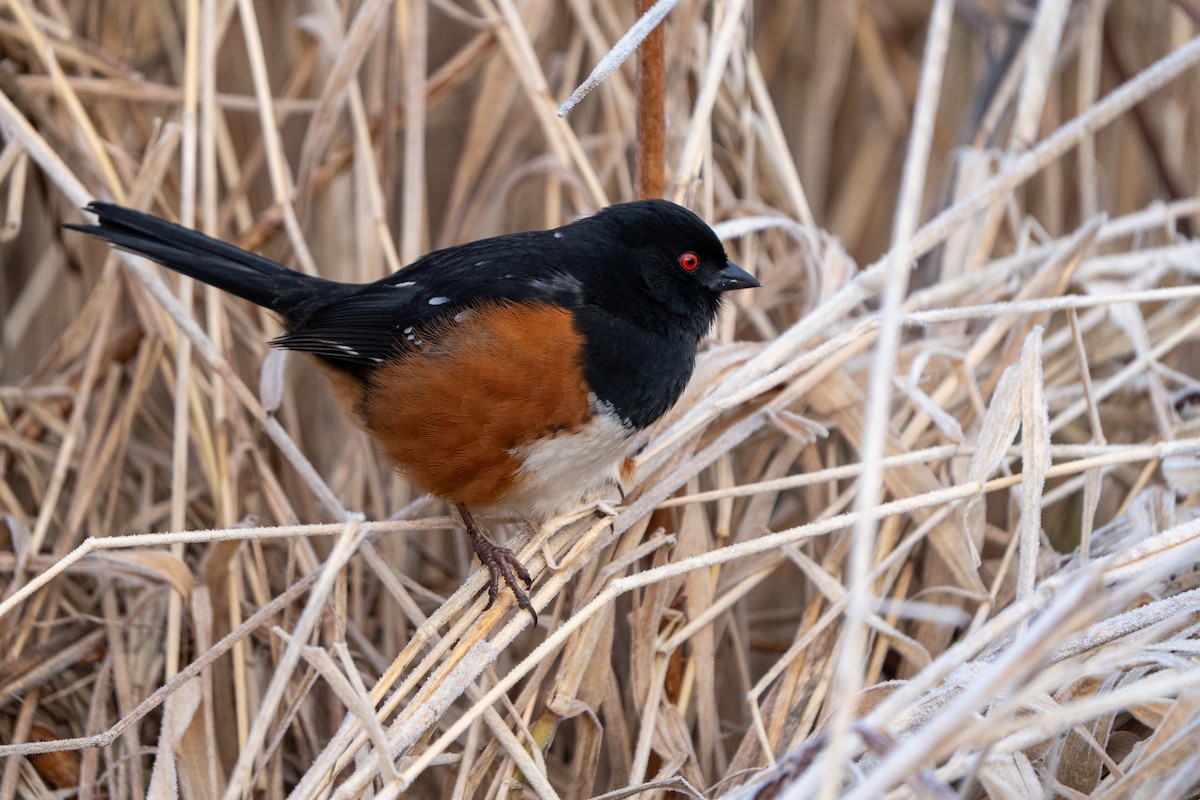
(257, 279)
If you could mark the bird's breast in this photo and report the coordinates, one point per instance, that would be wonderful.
(495, 412)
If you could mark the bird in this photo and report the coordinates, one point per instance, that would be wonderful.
(504, 375)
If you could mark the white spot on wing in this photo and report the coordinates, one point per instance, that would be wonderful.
(345, 348)
(404, 285)
(558, 234)
(438, 301)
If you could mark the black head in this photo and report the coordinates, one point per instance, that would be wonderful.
(671, 259)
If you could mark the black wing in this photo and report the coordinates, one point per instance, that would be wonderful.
(398, 313)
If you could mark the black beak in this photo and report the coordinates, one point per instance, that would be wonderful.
(731, 276)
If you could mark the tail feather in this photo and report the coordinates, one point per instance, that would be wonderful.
(240, 272)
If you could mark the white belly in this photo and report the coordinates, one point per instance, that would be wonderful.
(557, 473)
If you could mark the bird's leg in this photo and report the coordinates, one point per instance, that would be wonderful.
(501, 563)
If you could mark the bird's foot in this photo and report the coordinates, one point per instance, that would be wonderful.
(501, 563)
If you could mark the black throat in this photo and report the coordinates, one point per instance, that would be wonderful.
(636, 372)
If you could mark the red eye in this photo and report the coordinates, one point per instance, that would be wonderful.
(689, 262)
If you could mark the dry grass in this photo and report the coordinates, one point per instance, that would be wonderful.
(912, 533)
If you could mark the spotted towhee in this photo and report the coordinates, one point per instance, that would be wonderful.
(505, 374)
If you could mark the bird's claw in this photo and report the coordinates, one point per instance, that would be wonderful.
(501, 563)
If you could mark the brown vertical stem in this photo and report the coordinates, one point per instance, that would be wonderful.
(650, 111)
(1154, 145)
